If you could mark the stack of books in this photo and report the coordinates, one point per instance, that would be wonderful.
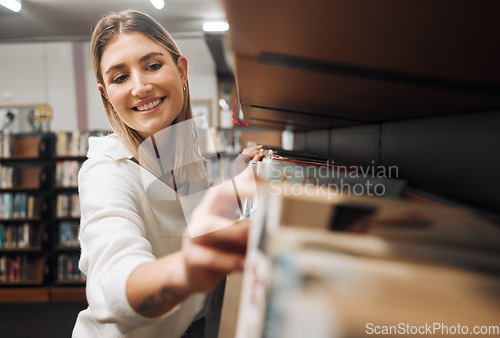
(350, 266)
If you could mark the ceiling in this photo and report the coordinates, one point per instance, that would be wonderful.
(53, 20)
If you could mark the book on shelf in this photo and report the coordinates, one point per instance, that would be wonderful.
(18, 205)
(66, 174)
(6, 145)
(220, 169)
(14, 268)
(226, 140)
(67, 205)
(74, 143)
(359, 260)
(67, 267)
(7, 176)
(68, 234)
(16, 235)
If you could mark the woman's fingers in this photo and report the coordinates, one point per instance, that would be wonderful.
(214, 259)
(252, 151)
(235, 234)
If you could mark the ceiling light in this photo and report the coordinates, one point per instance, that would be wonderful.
(13, 5)
(215, 26)
(158, 3)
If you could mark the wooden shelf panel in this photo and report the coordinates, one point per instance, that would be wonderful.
(26, 295)
(70, 158)
(65, 187)
(67, 248)
(20, 250)
(359, 63)
(65, 294)
(67, 218)
(426, 38)
(22, 283)
(301, 99)
(21, 158)
(69, 282)
(31, 219)
(21, 189)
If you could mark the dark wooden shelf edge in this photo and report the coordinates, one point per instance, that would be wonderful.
(70, 158)
(67, 218)
(22, 158)
(67, 294)
(64, 187)
(31, 219)
(69, 282)
(20, 189)
(23, 295)
(21, 250)
(67, 248)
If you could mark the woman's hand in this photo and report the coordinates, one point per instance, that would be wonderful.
(215, 242)
(210, 257)
(253, 154)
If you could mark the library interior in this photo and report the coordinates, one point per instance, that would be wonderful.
(376, 210)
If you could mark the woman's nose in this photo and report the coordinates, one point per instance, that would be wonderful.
(141, 87)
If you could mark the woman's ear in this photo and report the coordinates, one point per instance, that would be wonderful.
(102, 91)
(182, 64)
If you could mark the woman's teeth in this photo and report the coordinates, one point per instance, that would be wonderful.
(150, 105)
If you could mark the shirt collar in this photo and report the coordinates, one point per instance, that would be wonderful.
(108, 146)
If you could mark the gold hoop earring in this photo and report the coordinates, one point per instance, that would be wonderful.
(185, 87)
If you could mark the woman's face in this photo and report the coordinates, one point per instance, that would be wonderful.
(142, 82)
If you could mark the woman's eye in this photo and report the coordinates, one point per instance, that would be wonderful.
(119, 79)
(155, 66)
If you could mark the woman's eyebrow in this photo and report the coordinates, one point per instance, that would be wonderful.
(149, 56)
(141, 59)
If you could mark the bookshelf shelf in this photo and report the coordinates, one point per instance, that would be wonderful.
(42, 166)
(20, 219)
(65, 188)
(67, 293)
(372, 91)
(70, 158)
(23, 283)
(22, 250)
(21, 189)
(66, 248)
(23, 295)
(22, 159)
(69, 282)
(67, 158)
(67, 218)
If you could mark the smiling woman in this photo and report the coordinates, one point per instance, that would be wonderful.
(143, 83)
(131, 58)
(146, 276)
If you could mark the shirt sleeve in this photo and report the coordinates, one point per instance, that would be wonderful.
(113, 242)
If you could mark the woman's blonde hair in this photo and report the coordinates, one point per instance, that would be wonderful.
(106, 31)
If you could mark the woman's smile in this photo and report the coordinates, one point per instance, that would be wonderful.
(148, 106)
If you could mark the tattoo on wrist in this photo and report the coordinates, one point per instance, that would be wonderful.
(166, 296)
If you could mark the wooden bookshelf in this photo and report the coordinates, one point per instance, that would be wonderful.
(24, 184)
(392, 83)
(323, 69)
(31, 161)
(67, 294)
(24, 295)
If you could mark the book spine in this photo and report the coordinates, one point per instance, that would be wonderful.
(2, 235)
